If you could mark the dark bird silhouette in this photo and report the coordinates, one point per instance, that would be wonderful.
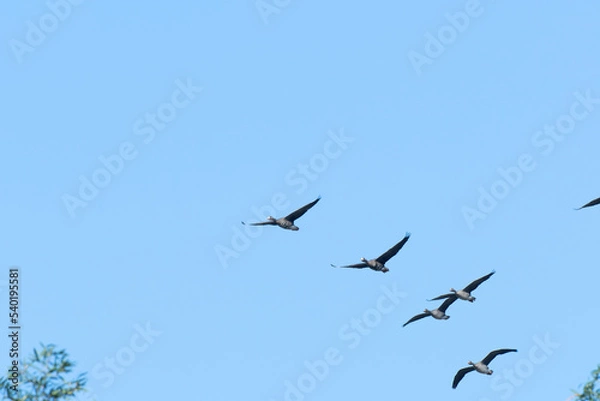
(465, 293)
(379, 263)
(481, 367)
(592, 203)
(439, 313)
(287, 222)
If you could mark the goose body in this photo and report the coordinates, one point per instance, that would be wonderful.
(481, 366)
(465, 293)
(462, 294)
(439, 313)
(378, 264)
(286, 222)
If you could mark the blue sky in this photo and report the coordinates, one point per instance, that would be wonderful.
(471, 125)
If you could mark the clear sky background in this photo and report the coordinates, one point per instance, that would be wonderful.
(160, 248)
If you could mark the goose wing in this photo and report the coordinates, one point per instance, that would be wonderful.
(447, 303)
(592, 203)
(442, 297)
(393, 250)
(476, 283)
(417, 317)
(355, 266)
(298, 213)
(262, 223)
(493, 354)
(460, 374)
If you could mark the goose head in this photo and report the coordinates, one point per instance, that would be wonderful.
(363, 260)
(453, 290)
(271, 218)
(471, 299)
(385, 269)
(470, 363)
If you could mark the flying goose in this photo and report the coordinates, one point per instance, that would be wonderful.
(379, 263)
(465, 293)
(481, 367)
(287, 222)
(592, 203)
(439, 313)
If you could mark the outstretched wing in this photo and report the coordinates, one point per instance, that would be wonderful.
(356, 266)
(442, 297)
(476, 283)
(393, 250)
(447, 303)
(417, 317)
(592, 203)
(298, 213)
(460, 374)
(493, 354)
(262, 223)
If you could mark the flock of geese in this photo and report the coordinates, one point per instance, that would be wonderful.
(378, 264)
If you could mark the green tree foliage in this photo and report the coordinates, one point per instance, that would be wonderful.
(43, 378)
(590, 391)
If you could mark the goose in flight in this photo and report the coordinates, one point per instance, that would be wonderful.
(287, 222)
(439, 313)
(379, 263)
(592, 203)
(465, 293)
(481, 367)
